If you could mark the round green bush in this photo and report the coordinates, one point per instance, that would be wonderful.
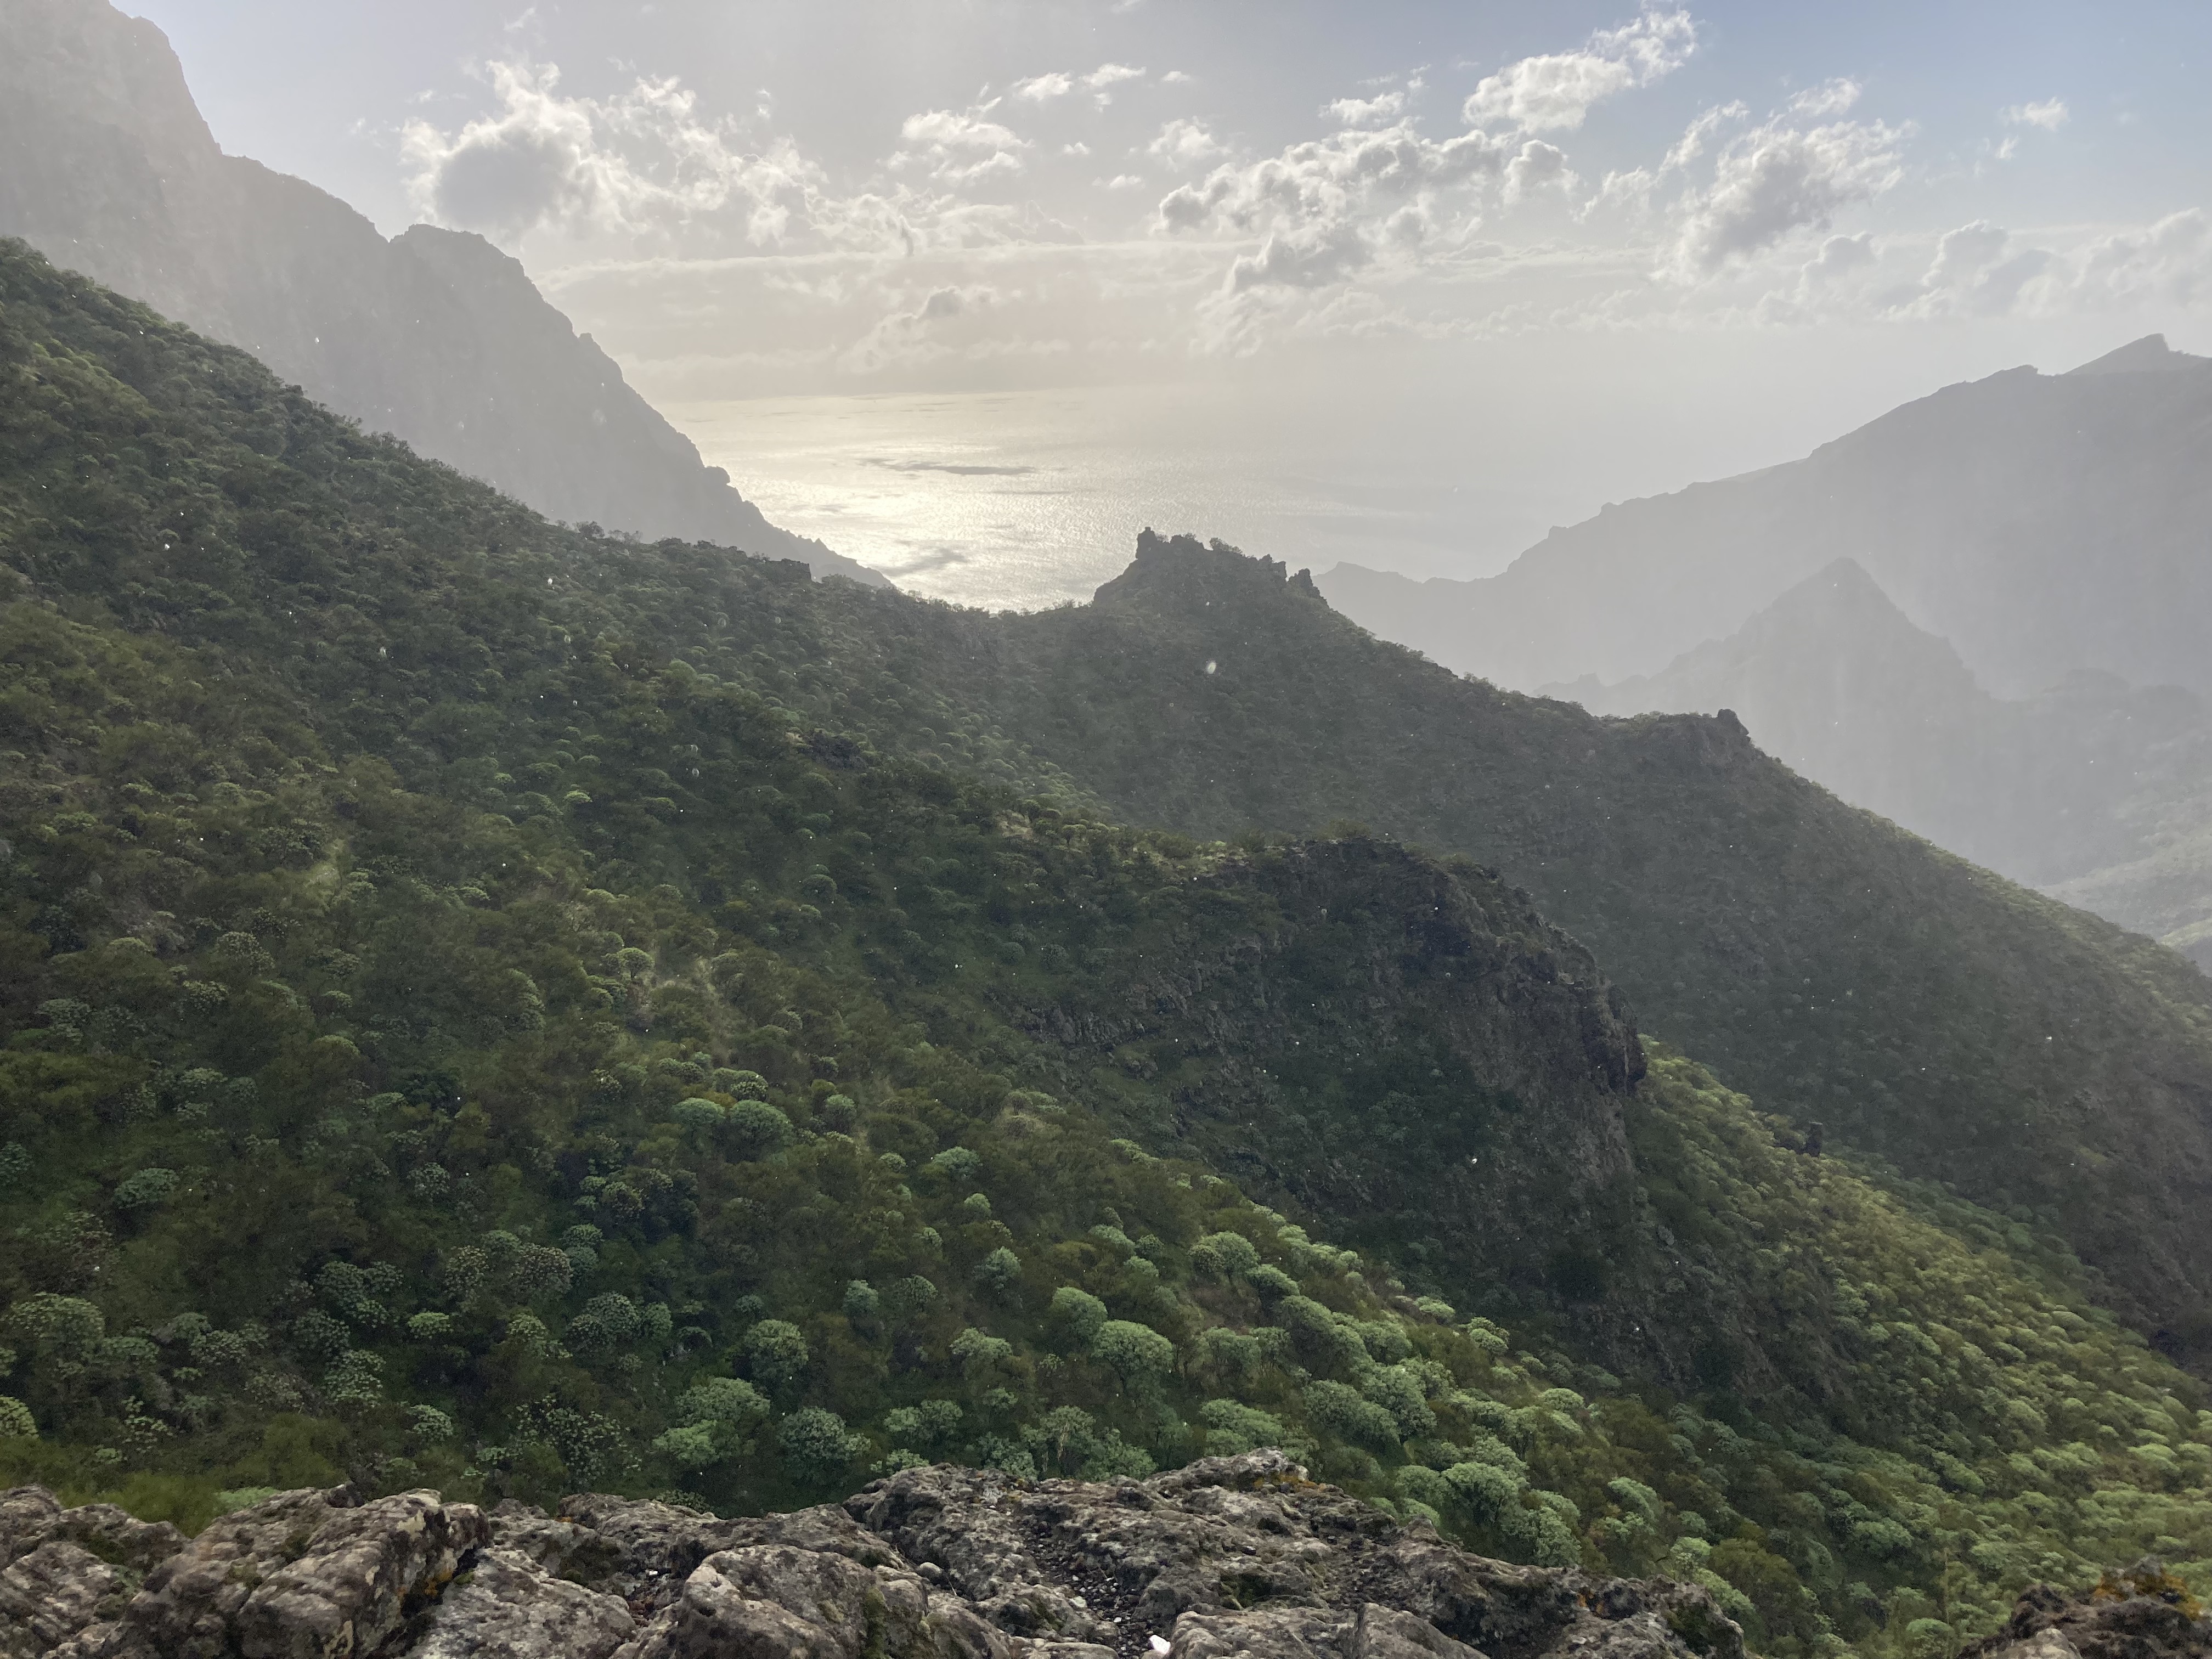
(1139, 1355)
(756, 1130)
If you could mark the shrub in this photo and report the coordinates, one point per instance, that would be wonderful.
(930, 1423)
(608, 1323)
(997, 1271)
(910, 1296)
(1232, 1428)
(539, 1272)
(1399, 1392)
(758, 1130)
(1343, 1411)
(958, 1163)
(1224, 1255)
(1075, 1317)
(776, 1351)
(1139, 1355)
(146, 1189)
(698, 1114)
(429, 1425)
(977, 1351)
(1486, 1491)
(817, 1447)
(17, 1422)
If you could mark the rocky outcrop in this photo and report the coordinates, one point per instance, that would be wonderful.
(1227, 1558)
(2144, 1613)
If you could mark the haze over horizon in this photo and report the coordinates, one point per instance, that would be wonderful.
(1405, 288)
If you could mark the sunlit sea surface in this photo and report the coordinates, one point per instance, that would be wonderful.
(1022, 500)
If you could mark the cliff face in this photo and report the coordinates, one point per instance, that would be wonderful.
(435, 336)
(1406, 1046)
(1232, 1555)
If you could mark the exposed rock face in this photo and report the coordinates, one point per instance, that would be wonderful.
(1230, 1556)
(435, 336)
(2142, 1613)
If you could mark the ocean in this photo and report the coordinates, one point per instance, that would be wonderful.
(1024, 500)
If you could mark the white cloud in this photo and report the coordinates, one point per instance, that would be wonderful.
(959, 148)
(1537, 165)
(1124, 181)
(2051, 114)
(1058, 83)
(1977, 272)
(1043, 89)
(1184, 144)
(1175, 78)
(2169, 262)
(1328, 209)
(1555, 91)
(1829, 98)
(1778, 180)
(1366, 111)
(642, 160)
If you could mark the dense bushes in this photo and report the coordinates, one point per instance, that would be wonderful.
(494, 1008)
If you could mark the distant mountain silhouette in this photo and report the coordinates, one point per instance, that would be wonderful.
(2041, 524)
(2090, 788)
(436, 336)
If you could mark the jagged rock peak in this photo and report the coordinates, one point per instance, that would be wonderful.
(1240, 1556)
(1179, 565)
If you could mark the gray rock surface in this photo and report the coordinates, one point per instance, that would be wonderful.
(2142, 1613)
(1230, 1556)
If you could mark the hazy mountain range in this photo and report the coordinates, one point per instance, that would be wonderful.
(1981, 616)
(433, 336)
(2040, 524)
(2092, 789)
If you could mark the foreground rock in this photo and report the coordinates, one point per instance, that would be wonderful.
(1229, 1558)
(2142, 1613)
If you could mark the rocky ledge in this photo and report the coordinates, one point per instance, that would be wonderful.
(2144, 1613)
(1230, 1556)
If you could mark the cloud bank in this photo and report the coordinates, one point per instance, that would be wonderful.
(1115, 213)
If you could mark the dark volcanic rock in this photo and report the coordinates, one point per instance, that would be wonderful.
(2142, 1613)
(1230, 1556)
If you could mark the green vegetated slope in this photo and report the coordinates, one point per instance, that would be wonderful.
(1831, 965)
(494, 1008)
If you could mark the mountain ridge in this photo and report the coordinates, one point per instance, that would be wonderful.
(1213, 693)
(491, 1006)
(432, 335)
(2041, 523)
(2066, 791)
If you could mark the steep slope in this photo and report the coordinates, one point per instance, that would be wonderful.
(1833, 680)
(437, 336)
(2041, 524)
(490, 1006)
(1831, 965)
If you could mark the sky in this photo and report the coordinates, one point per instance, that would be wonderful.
(1555, 255)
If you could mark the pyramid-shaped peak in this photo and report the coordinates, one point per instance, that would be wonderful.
(2148, 355)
